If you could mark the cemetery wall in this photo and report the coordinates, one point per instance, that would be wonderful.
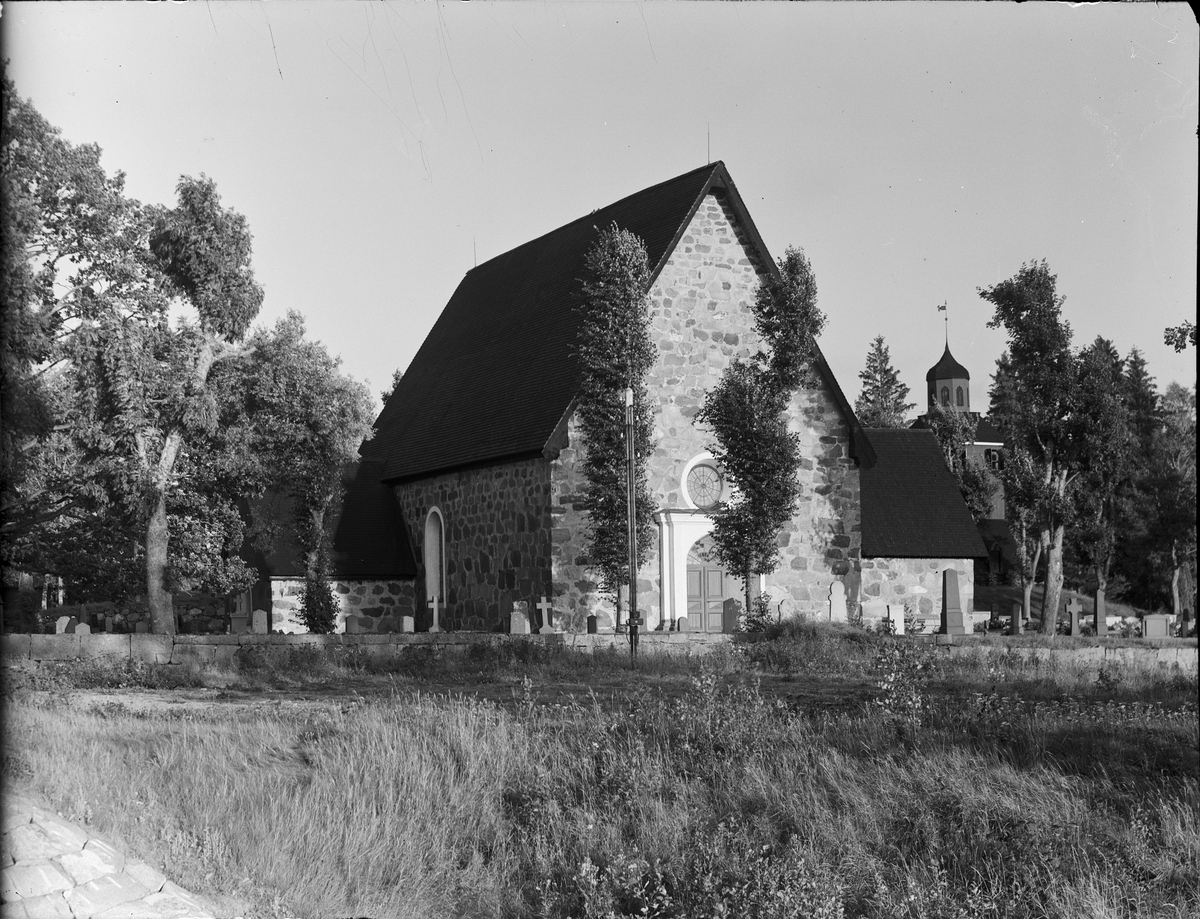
(197, 614)
(700, 322)
(379, 604)
(496, 540)
(892, 580)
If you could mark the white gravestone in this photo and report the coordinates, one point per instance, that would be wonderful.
(83, 629)
(837, 602)
(518, 622)
(408, 624)
(262, 622)
(895, 615)
(60, 625)
(354, 625)
(546, 608)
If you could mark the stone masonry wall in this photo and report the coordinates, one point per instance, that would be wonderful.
(379, 603)
(893, 579)
(701, 320)
(497, 540)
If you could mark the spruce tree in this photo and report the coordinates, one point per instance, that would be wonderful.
(881, 403)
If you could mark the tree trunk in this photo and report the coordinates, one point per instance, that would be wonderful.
(1054, 582)
(746, 611)
(1175, 604)
(312, 554)
(1027, 584)
(158, 536)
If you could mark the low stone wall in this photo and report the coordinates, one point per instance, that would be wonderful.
(223, 650)
(195, 614)
(1184, 656)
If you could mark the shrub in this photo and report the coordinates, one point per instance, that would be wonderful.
(318, 606)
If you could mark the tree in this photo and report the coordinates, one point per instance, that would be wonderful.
(1174, 490)
(1107, 450)
(955, 431)
(748, 413)
(308, 420)
(146, 413)
(69, 238)
(1180, 336)
(1033, 404)
(881, 403)
(615, 351)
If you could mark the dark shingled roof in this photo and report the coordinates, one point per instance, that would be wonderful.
(947, 369)
(497, 371)
(911, 505)
(371, 540)
(986, 433)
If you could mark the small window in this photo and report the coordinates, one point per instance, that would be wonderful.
(946, 396)
(959, 397)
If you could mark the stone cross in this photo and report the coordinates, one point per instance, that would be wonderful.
(546, 608)
(433, 605)
(953, 621)
(1074, 608)
(837, 602)
(262, 623)
(518, 622)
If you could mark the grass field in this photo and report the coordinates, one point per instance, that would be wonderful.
(821, 772)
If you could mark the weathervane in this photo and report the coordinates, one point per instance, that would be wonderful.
(942, 309)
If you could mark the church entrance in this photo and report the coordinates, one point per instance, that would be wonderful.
(707, 589)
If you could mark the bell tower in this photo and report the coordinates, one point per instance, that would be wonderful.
(948, 384)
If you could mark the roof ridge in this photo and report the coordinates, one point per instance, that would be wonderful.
(716, 164)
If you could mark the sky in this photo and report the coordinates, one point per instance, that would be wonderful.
(915, 151)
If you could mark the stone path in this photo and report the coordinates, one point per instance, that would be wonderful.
(54, 869)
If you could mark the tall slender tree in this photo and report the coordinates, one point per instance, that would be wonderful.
(881, 404)
(1033, 407)
(1106, 447)
(748, 413)
(615, 352)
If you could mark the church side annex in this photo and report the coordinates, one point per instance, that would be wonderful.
(476, 452)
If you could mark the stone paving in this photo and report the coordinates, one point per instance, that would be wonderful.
(54, 869)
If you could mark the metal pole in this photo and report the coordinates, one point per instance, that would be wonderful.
(631, 489)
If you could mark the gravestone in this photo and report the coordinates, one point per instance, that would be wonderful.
(354, 625)
(83, 629)
(1074, 608)
(1014, 624)
(71, 626)
(953, 619)
(435, 606)
(142, 628)
(518, 619)
(592, 625)
(262, 622)
(729, 616)
(60, 625)
(1101, 622)
(238, 624)
(837, 602)
(895, 615)
(546, 612)
(1156, 625)
(408, 624)
(109, 624)
(873, 611)
(681, 624)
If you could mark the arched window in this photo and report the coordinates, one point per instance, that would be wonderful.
(435, 569)
(946, 395)
(959, 396)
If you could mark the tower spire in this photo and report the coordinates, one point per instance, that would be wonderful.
(942, 309)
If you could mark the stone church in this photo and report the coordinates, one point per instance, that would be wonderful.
(467, 496)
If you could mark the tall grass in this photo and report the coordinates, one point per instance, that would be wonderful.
(968, 792)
